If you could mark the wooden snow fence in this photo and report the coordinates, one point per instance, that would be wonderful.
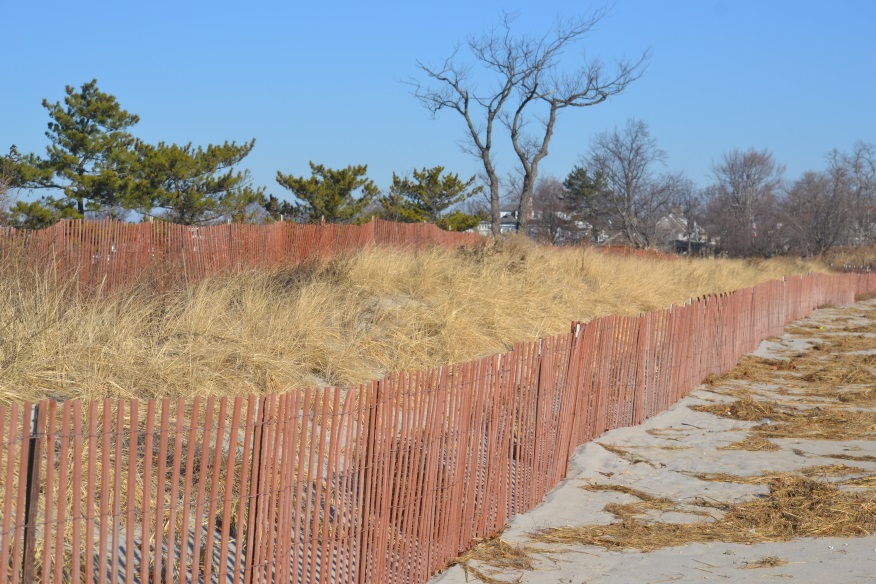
(106, 255)
(381, 483)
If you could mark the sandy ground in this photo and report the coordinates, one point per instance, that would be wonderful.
(660, 457)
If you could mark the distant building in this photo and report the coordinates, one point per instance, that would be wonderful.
(508, 221)
(676, 234)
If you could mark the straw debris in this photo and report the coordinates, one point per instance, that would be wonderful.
(841, 373)
(657, 502)
(723, 477)
(867, 482)
(628, 455)
(753, 443)
(854, 457)
(831, 470)
(746, 409)
(767, 562)
(497, 554)
(795, 507)
(824, 424)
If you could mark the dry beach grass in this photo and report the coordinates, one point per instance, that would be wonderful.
(334, 322)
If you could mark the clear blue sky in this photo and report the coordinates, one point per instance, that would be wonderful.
(322, 81)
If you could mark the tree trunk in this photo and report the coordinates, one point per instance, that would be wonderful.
(495, 207)
(526, 199)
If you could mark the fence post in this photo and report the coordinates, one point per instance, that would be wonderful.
(255, 491)
(32, 492)
(364, 522)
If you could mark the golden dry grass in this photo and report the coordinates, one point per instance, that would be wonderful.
(336, 322)
(851, 257)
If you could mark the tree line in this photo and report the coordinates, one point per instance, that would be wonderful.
(622, 188)
(94, 166)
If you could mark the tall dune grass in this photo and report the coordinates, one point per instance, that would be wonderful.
(335, 322)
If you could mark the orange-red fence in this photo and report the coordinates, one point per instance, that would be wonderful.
(382, 483)
(107, 254)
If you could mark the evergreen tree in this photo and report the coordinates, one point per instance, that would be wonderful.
(279, 210)
(196, 185)
(9, 165)
(41, 214)
(329, 194)
(90, 157)
(427, 195)
(585, 193)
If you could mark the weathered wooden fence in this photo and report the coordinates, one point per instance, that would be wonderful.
(381, 483)
(103, 255)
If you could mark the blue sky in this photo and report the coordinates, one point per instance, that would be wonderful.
(324, 81)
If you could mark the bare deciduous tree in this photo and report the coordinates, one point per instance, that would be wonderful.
(817, 211)
(742, 201)
(528, 88)
(858, 170)
(633, 197)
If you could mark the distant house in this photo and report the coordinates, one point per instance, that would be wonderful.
(508, 218)
(620, 239)
(676, 234)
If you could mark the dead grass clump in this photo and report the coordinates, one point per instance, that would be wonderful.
(821, 423)
(628, 455)
(657, 502)
(865, 328)
(848, 343)
(854, 457)
(831, 470)
(723, 477)
(867, 396)
(767, 562)
(667, 433)
(824, 424)
(841, 374)
(867, 482)
(802, 507)
(496, 553)
(795, 507)
(751, 368)
(746, 409)
(752, 443)
(713, 379)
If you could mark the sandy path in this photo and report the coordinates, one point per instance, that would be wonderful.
(659, 457)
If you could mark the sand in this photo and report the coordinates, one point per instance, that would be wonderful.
(661, 456)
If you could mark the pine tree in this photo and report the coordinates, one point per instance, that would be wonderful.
(196, 185)
(427, 195)
(90, 157)
(330, 195)
(278, 210)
